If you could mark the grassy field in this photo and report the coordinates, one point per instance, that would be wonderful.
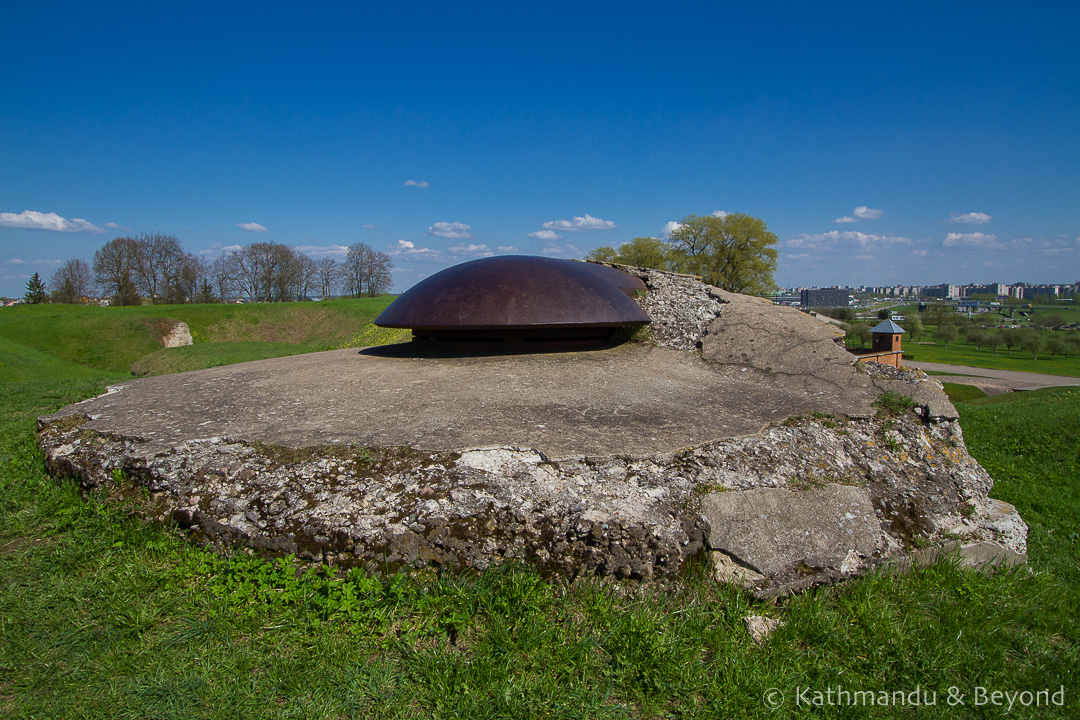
(105, 616)
(964, 353)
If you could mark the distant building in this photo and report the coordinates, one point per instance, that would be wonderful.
(943, 291)
(785, 298)
(1051, 292)
(995, 289)
(825, 297)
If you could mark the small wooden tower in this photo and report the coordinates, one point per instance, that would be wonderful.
(886, 337)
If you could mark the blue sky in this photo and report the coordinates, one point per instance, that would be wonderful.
(912, 143)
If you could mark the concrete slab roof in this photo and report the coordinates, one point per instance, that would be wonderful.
(758, 365)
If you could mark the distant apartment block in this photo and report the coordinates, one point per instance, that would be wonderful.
(995, 289)
(825, 297)
(943, 291)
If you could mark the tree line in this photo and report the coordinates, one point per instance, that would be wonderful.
(1038, 339)
(152, 267)
(732, 251)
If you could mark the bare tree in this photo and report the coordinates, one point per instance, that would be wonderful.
(367, 271)
(115, 270)
(159, 261)
(306, 275)
(251, 270)
(379, 275)
(281, 273)
(194, 273)
(327, 275)
(72, 282)
(222, 276)
(267, 271)
(354, 268)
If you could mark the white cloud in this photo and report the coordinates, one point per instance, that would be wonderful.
(860, 213)
(976, 239)
(720, 213)
(368, 226)
(416, 183)
(17, 261)
(545, 235)
(919, 253)
(116, 226)
(1042, 246)
(864, 213)
(33, 220)
(472, 249)
(507, 249)
(669, 228)
(828, 240)
(251, 227)
(317, 251)
(216, 250)
(408, 250)
(970, 218)
(562, 250)
(450, 230)
(579, 224)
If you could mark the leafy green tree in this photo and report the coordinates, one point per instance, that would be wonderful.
(735, 252)
(604, 253)
(946, 333)
(862, 333)
(1032, 341)
(35, 290)
(884, 314)
(993, 340)
(1055, 344)
(940, 313)
(1011, 338)
(1049, 322)
(646, 252)
(975, 336)
(858, 331)
(914, 327)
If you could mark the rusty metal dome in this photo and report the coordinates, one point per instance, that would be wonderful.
(516, 300)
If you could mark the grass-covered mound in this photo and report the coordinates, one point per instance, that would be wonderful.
(113, 339)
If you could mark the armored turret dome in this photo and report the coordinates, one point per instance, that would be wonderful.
(517, 301)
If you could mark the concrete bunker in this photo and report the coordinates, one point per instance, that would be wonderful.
(737, 428)
(519, 303)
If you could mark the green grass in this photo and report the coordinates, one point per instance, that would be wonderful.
(1030, 443)
(19, 363)
(114, 338)
(963, 353)
(205, 355)
(962, 393)
(105, 615)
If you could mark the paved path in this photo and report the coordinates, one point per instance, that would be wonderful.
(1014, 378)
